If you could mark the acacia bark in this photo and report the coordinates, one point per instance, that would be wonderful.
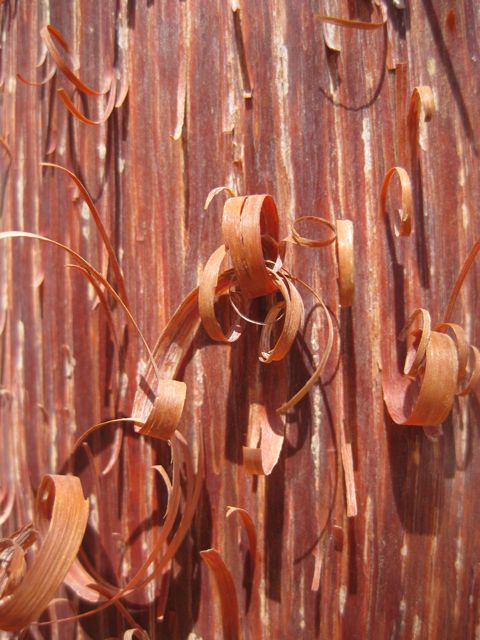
(246, 94)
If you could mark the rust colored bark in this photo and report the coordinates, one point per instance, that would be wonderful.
(245, 94)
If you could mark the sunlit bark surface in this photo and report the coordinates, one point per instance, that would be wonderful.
(246, 94)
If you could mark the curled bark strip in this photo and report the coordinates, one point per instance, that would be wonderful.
(259, 235)
(308, 242)
(259, 323)
(406, 212)
(274, 315)
(353, 24)
(82, 583)
(80, 580)
(417, 340)
(422, 104)
(253, 461)
(232, 211)
(166, 411)
(206, 300)
(61, 514)
(346, 262)
(266, 428)
(467, 265)
(119, 606)
(261, 460)
(286, 406)
(7, 501)
(331, 37)
(25, 536)
(121, 92)
(49, 34)
(474, 376)
(82, 117)
(247, 222)
(12, 566)
(293, 307)
(214, 193)
(427, 400)
(226, 592)
(422, 108)
(39, 83)
(58, 37)
(12, 558)
(172, 347)
(457, 333)
(194, 485)
(100, 226)
(100, 425)
(249, 528)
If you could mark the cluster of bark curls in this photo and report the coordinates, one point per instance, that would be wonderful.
(440, 365)
(440, 362)
(250, 264)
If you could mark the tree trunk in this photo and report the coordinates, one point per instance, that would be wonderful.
(251, 95)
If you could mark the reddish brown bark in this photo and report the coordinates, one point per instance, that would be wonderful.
(252, 98)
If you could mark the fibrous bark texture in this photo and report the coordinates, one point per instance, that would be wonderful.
(255, 96)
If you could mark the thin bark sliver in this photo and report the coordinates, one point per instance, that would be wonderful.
(61, 514)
